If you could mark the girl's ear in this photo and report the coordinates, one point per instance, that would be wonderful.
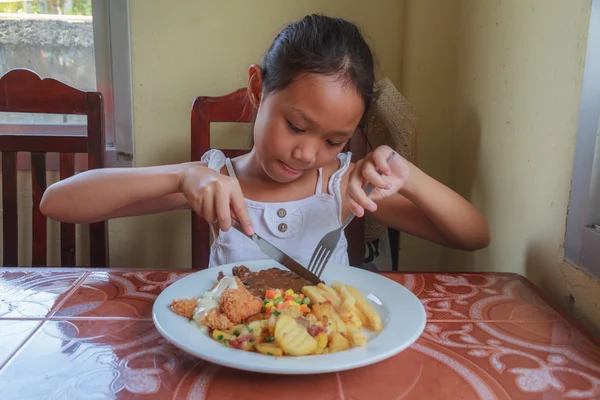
(255, 84)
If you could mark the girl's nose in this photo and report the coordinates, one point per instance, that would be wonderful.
(305, 152)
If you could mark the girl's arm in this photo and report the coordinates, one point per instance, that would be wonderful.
(106, 193)
(430, 210)
(409, 200)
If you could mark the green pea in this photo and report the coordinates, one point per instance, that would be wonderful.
(306, 301)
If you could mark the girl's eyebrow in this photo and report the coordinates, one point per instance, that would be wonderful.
(311, 122)
(303, 115)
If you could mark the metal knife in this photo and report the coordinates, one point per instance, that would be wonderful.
(274, 253)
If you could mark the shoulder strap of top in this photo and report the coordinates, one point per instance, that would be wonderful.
(335, 182)
(336, 177)
(215, 159)
(230, 169)
(319, 188)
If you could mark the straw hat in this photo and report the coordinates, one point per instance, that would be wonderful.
(393, 122)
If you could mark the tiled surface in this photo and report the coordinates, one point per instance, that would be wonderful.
(117, 294)
(12, 335)
(462, 297)
(78, 334)
(34, 293)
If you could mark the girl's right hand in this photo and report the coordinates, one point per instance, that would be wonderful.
(215, 197)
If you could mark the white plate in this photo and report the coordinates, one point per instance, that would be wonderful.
(402, 314)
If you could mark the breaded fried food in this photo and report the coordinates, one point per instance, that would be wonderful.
(239, 304)
(184, 307)
(215, 319)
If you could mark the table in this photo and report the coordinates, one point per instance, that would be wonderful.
(88, 333)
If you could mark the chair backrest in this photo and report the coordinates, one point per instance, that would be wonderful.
(22, 90)
(236, 107)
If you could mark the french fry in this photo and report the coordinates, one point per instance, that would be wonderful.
(324, 313)
(220, 336)
(349, 315)
(350, 302)
(341, 326)
(271, 324)
(356, 336)
(347, 296)
(338, 342)
(239, 328)
(293, 338)
(271, 349)
(363, 305)
(322, 341)
(363, 318)
(313, 294)
(330, 294)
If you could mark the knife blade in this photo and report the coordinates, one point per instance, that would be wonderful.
(279, 256)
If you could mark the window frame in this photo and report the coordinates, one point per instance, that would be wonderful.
(112, 53)
(582, 237)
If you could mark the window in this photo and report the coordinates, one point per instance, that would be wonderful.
(582, 244)
(84, 43)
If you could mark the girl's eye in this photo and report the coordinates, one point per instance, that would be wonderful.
(293, 127)
(334, 144)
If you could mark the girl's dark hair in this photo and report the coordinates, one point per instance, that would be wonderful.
(318, 44)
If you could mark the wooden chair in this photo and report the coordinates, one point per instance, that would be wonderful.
(22, 90)
(236, 107)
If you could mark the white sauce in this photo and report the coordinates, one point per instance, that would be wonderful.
(210, 299)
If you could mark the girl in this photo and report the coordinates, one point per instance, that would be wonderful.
(311, 93)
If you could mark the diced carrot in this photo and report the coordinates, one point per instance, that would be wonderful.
(289, 297)
(269, 294)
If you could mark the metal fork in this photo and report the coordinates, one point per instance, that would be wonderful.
(327, 245)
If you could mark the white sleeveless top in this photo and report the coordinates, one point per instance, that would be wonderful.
(296, 227)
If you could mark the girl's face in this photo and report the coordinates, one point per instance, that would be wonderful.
(305, 125)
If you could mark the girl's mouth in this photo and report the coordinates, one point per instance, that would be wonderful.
(289, 170)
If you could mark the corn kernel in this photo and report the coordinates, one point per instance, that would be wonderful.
(277, 294)
(269, 305)
(289, 292)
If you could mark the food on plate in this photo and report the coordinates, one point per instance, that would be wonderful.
(250, 311)
(258, 282)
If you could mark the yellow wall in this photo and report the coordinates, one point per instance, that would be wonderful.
(497, 87)
(429, 54)
(518, 88)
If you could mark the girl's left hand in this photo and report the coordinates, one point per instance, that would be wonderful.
(390, 179)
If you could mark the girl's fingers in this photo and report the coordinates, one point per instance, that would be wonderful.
(196, 205)
(238, 204)
(208, 209)
(370, 174)
(380, 161)
(355, 207)
(222, 209)
(358, 195)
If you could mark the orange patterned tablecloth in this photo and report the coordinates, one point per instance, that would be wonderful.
(88, 334)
